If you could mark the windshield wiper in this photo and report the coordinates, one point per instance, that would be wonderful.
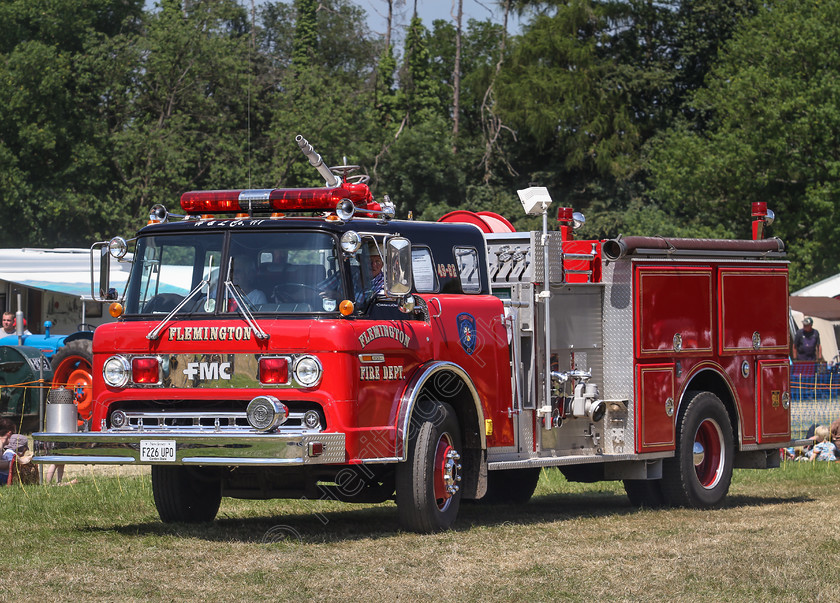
(242, 307)
(155, 333)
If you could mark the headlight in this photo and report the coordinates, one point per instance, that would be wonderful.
(116, 371)
(308, 371)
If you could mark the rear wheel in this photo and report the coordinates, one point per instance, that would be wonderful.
(700, 472)
(186, 494)
(428, 482)
(72, 367)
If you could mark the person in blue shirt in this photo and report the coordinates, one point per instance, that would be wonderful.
(824, 449)
(377, 281)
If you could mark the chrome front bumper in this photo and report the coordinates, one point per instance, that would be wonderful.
(192, 448)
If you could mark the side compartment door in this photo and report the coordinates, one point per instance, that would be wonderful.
(673, 311)
(773, 401)
(655, 407)
(753, 311)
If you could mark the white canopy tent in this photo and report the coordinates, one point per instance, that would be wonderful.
(54, 285)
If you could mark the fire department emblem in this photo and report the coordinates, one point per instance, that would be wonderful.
(467, 332)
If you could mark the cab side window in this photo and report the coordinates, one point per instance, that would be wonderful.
(423, 269)
(468, 269)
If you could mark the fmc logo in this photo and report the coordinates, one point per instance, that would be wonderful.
(207, 370)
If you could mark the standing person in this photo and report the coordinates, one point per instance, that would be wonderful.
(7, 429)
(806, 342)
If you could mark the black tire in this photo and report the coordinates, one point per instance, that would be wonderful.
(646, 493)
(72, 366)
(510, 486)
(186, 494)
(700, 480)
(424, 503)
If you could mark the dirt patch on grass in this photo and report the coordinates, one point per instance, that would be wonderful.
(78, 472)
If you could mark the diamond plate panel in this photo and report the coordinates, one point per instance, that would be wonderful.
(555, 257)
(618, 355)
(526, 423)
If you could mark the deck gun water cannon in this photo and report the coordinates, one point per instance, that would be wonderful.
(330, 179)
(346, 208)
(584, 403)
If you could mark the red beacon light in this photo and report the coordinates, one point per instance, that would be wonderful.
(277, 200)
(570, 220)
(762, 217)
(341, 197)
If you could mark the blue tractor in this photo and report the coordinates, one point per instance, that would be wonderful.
(62, 360)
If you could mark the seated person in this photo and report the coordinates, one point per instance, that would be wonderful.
(23, 470)
(245, 277)
(377, 278)
(824, 450)
(7, 429)
(375, 283)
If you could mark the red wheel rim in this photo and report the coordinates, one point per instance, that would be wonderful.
(708, 453)
(74, 373)
(444, 471)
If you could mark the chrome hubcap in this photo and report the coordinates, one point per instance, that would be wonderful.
(699, 453)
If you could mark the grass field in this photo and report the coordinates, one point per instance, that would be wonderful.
(100, 539)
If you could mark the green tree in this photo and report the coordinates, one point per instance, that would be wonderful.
(419, 171)
(421, 92)
(773, 114)
(306, 34)
(387, 99)
(329, 99)
(186, 123)
(590, 82)
(55, 172)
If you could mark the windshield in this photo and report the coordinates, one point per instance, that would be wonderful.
(269, 272)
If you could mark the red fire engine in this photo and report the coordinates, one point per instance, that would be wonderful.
(311, 345)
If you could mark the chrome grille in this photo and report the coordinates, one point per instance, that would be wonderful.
(197, 421)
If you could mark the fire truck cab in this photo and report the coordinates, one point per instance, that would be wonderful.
(344, 354)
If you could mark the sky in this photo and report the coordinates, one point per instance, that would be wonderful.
(429, 10)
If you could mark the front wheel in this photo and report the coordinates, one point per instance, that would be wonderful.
(700, 472)
(428, 482)
(186, 494)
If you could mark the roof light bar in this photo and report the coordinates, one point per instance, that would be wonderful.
(280, 199)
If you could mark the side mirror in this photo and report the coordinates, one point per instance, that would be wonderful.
(104, 272)
(100, 254)
(398, 274)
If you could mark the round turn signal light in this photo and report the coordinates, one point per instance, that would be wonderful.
(346, 307)
(116, 309)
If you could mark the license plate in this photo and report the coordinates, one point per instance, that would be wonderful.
(157, 451)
